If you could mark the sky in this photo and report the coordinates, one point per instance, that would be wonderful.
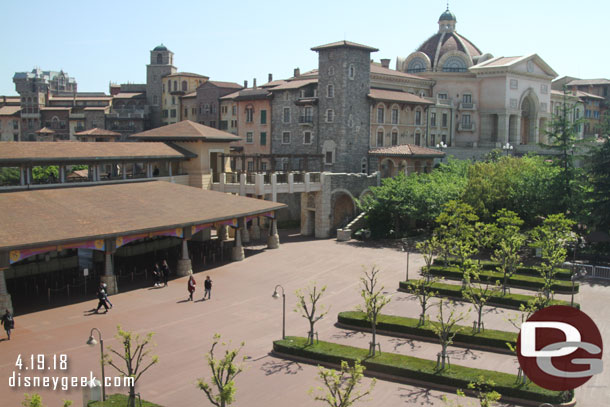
(101, 42)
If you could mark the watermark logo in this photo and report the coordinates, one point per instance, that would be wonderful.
(560, 348)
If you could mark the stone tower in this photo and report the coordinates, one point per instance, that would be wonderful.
(161, 64)
(344, 73)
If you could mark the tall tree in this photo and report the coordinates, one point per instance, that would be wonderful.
(599, 178)
(220, 388)
(374, 301)
(340, 388)
(307, 306)
(508, 243)
(136, 356)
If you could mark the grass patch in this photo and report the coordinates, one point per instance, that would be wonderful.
(517, 281)
(496, 299)
(119, 400)
(562, 274)
(410, 326)
(409, 367)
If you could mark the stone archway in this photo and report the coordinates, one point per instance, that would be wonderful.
(387, 167)
(528, 119)
(343, 208)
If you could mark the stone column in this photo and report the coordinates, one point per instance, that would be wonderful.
(28, 175)
(109, 278)
(185, 266)
(5, 297)
(62, 174)
(243, 227)
(273, 241)
(255, 230)
(223, 233)
(237, 253)
(503, 128)
(123, 171)
(21, 176)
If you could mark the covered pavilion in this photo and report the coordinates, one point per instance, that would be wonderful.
(406, 158)
(105, 217)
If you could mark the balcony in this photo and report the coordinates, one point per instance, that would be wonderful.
(466, 126)
(444, 101)
(126, 114)
(467, 106)
(306, 120)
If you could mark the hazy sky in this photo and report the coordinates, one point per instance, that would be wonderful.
(102, 41)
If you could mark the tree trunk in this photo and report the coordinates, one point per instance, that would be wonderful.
(504, 284)
(310, 339)
(479, 321)
(372, 351)
(132, 397)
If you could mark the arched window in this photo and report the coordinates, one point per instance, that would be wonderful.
(159, 58)
(351, 72)
(331, 70)
(184, 86)
(364, 165)
(175, 86)
(416, 65)
(454, 64)
(380, 136)
(330, 91)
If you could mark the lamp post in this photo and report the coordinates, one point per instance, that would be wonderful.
(507, 147)
(405, 248)
(91, 341)
(576, 274)
(276, 295)
(441, 146)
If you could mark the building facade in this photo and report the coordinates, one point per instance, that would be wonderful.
(208, 103)
(161, 65)
(174, 87)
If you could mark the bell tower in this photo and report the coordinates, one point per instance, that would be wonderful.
(161, 64)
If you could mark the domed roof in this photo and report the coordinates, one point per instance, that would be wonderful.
(160, 48)
(447, 15)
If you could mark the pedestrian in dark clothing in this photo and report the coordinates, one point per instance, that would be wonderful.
(191, 287)
(208, 288)
(165, 271)
(8, 322)
(102, 297)
(157, 275)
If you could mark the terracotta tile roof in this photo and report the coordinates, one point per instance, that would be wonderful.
(185, 130)
(9, 110)
(129, 95)
(397, 96)
(54, 152)
(344, 43)
(98, 132)
(248, 94)
(194, 75)
(45, 130)
(54, 216)
(273, 83)
(377, 69)
(83, 98)
(587, 82)
(190, 95)
(295, 84)
(582, 94)
(407, 150)
(55, 108)
(222, 84)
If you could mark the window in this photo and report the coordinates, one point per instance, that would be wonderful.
(193, 111)
(380, 114)
(454, 64)
(263, 166)
(330, 91)
(172, 113)
(418, 117)
(307, 137)
(249, 137)
(286, 137)
(394, 116)
(15, 124)
(250, 166)
(433, 119)
(263, 139)
(467, 98)
(175, 86)
(351, 71)
(444, 138)
(173, 100)
(444, 120)
(380, 138)
(213, 105)
(169, 86)
(234, 110)
(184, 86)
(286, 115)
(328, 158)
(223, 109)
(263, 117)
(330, 115)
(417, 139)
(363, 165)
(514, 84)
(159, 59)
(442, 96)
(165, 115)
(307, 115)
(433, 140)
(394, 137)
(186, 112)
(163, 88)
(249, 114)
(331, 70)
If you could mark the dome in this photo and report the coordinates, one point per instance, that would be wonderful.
(447, 16)
(160, 48)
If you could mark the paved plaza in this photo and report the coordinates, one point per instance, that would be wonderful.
(242, 309)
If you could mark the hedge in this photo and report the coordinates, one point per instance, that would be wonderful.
(517, 281)
(497, 299)
(119, 400)
(409, 367)
(410, 326)
(562, 274)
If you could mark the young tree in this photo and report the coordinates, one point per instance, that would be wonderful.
(509, 241)
(340, 387)
(374, 301)
(307, 306)
(35, 400)
(445, 327)
(220, 388)
(551, 238)
(422, 289)
(484, 392)
(428, 249)
(478, 292)
(136, 350)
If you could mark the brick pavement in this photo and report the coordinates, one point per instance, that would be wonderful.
(242, 309)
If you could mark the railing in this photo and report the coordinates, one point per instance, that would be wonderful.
(305, 119)
(232, 178)
(466, 126)
(251, 178)
(314, 177)
(298, 178)
(465, 105)
(282, 178)
(446, 102)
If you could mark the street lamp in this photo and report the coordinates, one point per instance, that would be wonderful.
(276, 296)
(441, 146)
(405, 248)
(91, 341)
(507, 147)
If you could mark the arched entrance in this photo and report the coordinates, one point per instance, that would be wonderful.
(528, 120)
(388, 168)
(344, 209)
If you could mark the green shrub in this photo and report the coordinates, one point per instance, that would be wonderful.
(119, 400)
(408, 367)
(562, 274)
(402, 325)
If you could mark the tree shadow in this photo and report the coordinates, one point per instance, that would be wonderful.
(462, 354)
(400, 342)
(281, 366)
(348, 334)
(418, 395)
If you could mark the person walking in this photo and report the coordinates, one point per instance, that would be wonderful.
(191, 287)
(165, 272)
(157, 275)
(8, 322)
(208, 288)
(102, 298)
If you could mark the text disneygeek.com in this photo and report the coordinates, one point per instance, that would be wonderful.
(17, 380)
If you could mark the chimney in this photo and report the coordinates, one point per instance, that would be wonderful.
(297, 72)
(385, 63)
(270, 78)
(246, 84)
(254, 83)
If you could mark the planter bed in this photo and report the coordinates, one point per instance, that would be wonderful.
(504, 301)
(562, 273)
(517, 281)
(411, 369)
(489, 339)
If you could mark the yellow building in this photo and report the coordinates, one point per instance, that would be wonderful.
(175, 86)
